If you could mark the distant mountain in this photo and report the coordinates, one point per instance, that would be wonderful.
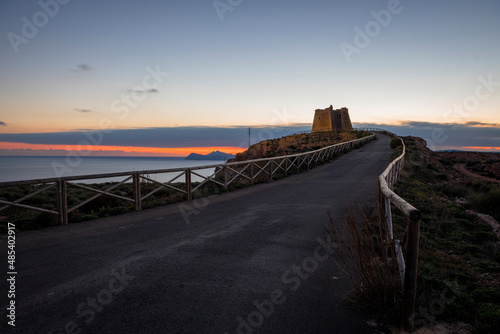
(215, 155)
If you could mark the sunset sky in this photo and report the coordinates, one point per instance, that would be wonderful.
(174, 77)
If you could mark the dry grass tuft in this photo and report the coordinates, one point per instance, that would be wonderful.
(369, 260)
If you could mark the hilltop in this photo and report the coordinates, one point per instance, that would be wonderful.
(296, 144)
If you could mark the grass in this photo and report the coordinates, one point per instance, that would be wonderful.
(459, 263)
(370, 263)
(457, 250)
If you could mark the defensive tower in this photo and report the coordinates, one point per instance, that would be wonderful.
(331, 120)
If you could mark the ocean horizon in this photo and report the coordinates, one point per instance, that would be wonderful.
(20, 168)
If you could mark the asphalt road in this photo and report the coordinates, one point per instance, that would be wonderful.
(248, 261)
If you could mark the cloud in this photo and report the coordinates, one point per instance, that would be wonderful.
(64, 153)
(482, 124)
(2, 123)
(82, 110)
(169, 137)
(438, 136)
(415, 124)
(83, 68)
(152, 91)
(441, 136)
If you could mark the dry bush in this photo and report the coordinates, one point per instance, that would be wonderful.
(367, 257)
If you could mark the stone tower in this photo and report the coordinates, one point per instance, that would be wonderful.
(331, 120)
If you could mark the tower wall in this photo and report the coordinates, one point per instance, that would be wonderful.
(331, 120)
(346, 120)
(322, 120)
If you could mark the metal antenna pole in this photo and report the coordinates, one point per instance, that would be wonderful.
(249, 132)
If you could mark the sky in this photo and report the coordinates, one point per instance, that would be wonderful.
(174, 77)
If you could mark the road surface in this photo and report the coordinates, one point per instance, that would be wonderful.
(248, 261)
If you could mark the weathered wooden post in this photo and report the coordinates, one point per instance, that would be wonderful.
(226, 178)
(137, 191)
(252, 173)
(189, 191)
(411, 270)
(62, 201)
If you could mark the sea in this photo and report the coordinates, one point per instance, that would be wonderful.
(35, 168)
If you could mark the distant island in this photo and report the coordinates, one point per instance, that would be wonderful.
(215, 155)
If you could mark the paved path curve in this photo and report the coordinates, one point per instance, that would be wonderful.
(248, 261)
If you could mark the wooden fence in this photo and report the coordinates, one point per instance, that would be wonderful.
(354, 129)
(223, 175)
(407, 267)
(250, 170)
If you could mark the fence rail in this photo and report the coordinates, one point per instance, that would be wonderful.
(371, 130)
(250, 170)
(223, 175)
(300, 132)
(407, 268)
(354, 129)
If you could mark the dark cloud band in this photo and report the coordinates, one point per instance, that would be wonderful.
(437, 135)
(157, 137)
(443, 136)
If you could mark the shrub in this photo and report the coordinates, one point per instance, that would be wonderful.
(370, 263)
(487, 203)
(488, 318)
(395, 142)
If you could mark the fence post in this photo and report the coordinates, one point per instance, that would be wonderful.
(189, 191)
(271, 170)
(226, 177)
(252, 173)
(62, 201)
(410, 286)
(137, 191)
(381, 202)
(286, 165)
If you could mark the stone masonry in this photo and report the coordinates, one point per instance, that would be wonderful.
(331, 120)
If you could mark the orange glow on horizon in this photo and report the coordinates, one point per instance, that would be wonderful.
(490, 148)
(122, 150)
